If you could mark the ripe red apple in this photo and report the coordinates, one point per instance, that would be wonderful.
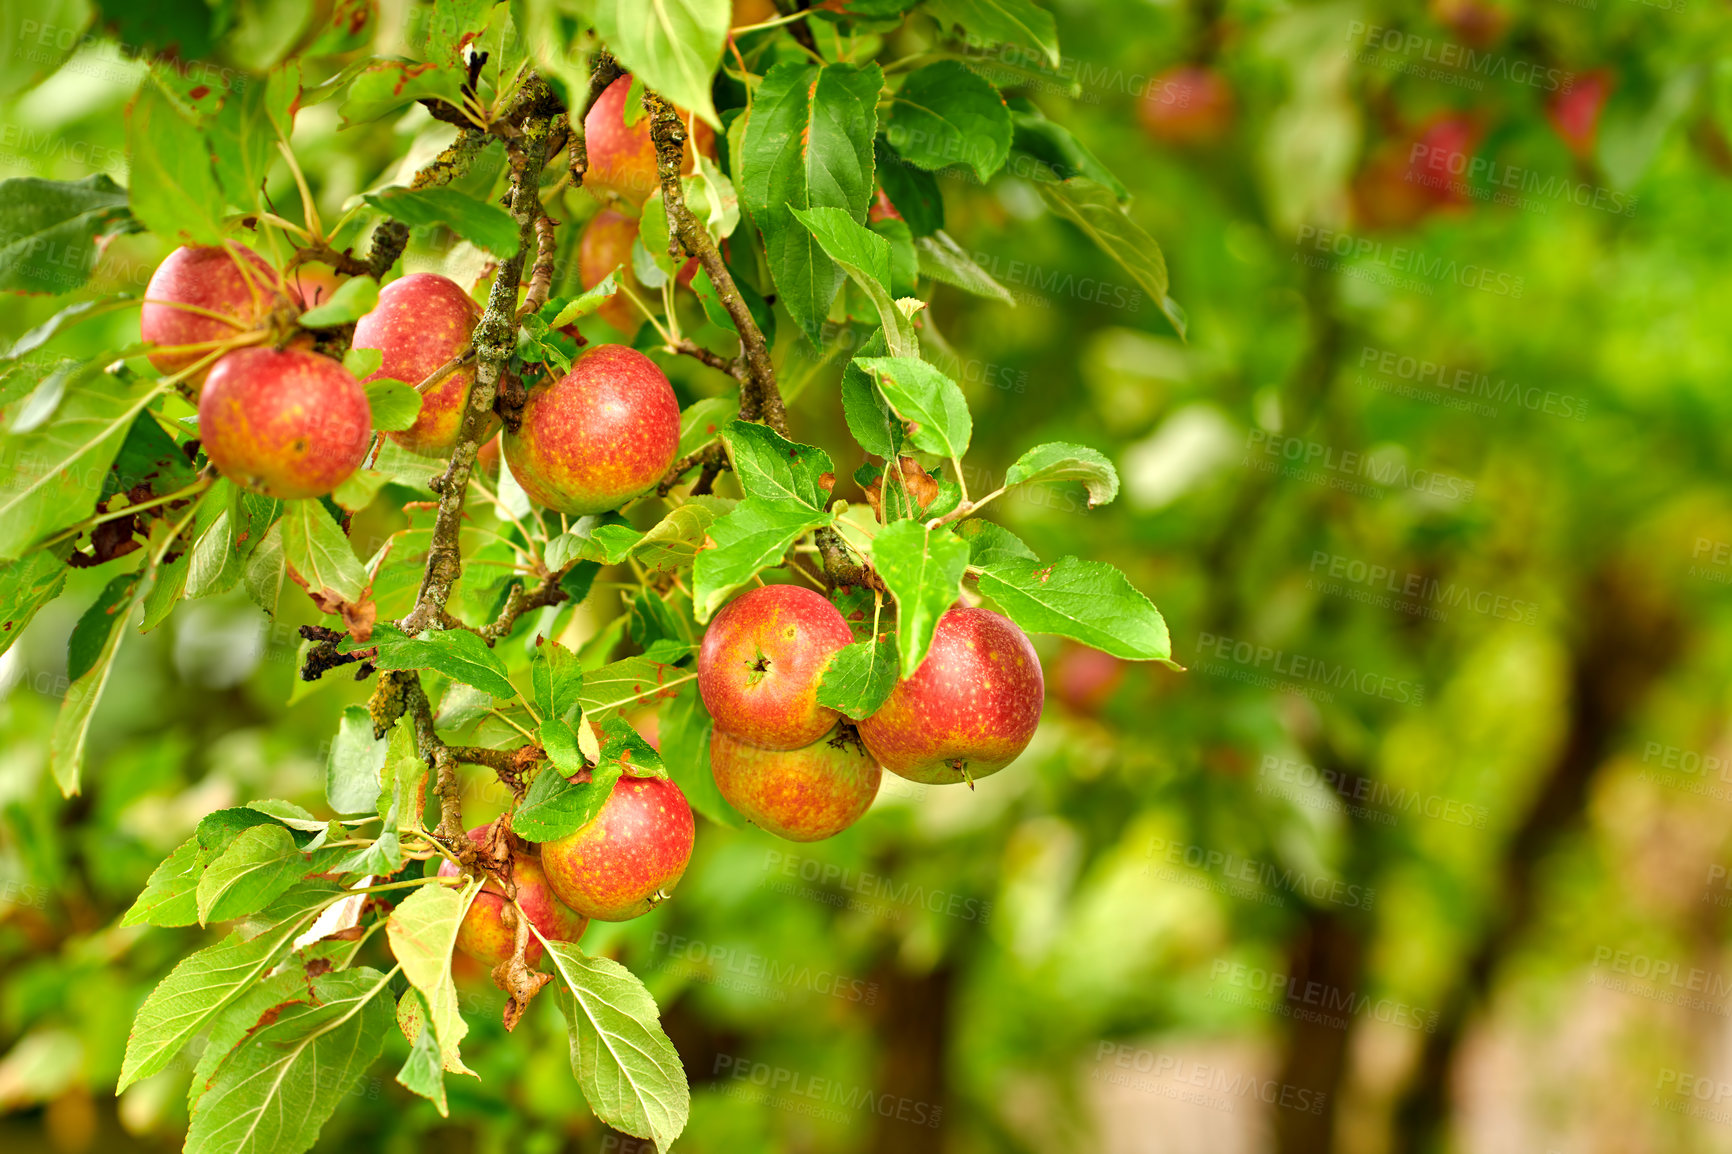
(629, 855)
(189, 287)
(489, 930)
(969, 709)
(286, 423)
(597, 437)
(1417, 174)
(315, 283)
(622, 158)
(800, 794)
(487, 457)
(606, 245)
(1575, 114)
(1189, 105)
(1085, 679)
(760, 663)
(420, 323)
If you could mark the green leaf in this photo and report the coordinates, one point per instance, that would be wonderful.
(703, 422)
(243, 143)
(354, 299)
(1018, 22)
(49, 231)
(752, 536)
(423, 933)
(942, 259)
(266, 568)
(988, 544)
(174, 190)
(685, 749)
(672, 46)
(674, 542)
(352, 770)
(625, 683)
(394, 405)
(25, 587)
(864, 257)
(923, 570)
(57, 470)
(316, 551)
(629, 1072)
(1053, 145)
(288, 984)
(808, 143)
(277, 1089)
(1096, 211)
(170, 897)
(256, 868)
(773, 468)
(1087, 601)
(556, 806)
(591, 299)
(423, 1070)
(868, 414)
(90, 636)
(1058, 461)
(860, 677)
(932, 401)
(357, 490)
(457, 653)
(914, 193)
(945, 114)
(197, 989)
(488, 225)
(557, 677)
(387, 85)
(72, 723)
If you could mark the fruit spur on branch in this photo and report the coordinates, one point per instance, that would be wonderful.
(446, 417)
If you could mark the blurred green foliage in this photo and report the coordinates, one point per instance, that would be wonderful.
(1049, 961)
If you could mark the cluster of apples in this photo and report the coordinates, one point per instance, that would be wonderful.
(289, 422)
(791, 766)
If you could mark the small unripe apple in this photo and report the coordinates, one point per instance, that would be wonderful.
(749, 12)
(760, 663)
(629, 855)
(597, 437)
(285, 423)
(622, 158)
(606, 245)
(800, 794)
(419, 324)
(488, 932)
(970, 708)
(1188, 105)
(204, 281)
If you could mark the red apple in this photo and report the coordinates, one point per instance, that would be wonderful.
(622, 158)
(1575, 114)
(760, 663)
(1085, 679)
(749, 12)
(198, 295)
(597, 437)
(629, 855)
(969, 709)
(419, 324)
(489, 930)
(1477, 22)
(800, 794)
(606, 245)
(286, 423)
(1417, 174)
(315, 283)
(1189, 105)
(487, 457)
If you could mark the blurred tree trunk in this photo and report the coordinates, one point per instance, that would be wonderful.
(1329, 952)
(1630, 639)
(913, 1031)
